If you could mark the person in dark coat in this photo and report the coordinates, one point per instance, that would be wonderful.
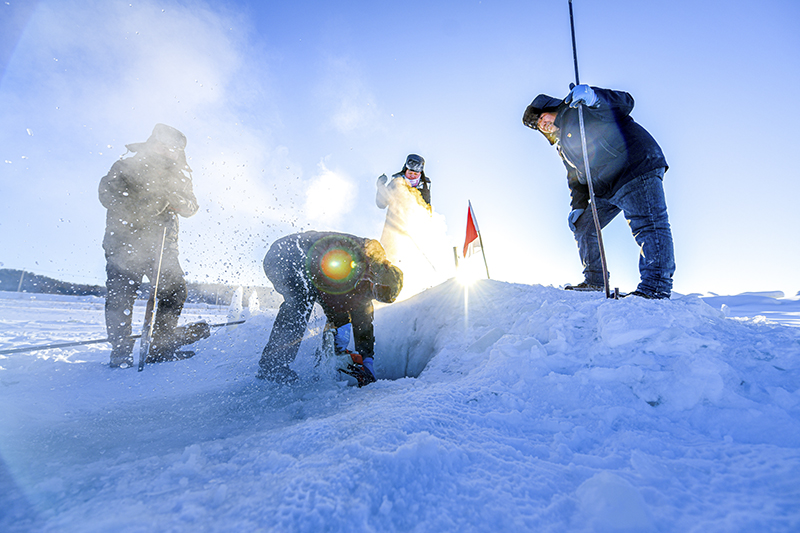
(627, 170)
(144, 195)
(343, 273)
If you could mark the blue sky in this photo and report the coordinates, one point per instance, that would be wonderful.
(292, 109)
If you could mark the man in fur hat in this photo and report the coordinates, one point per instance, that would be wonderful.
(627, 168)
(144, 195)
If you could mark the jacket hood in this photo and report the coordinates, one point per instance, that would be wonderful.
(546, 103)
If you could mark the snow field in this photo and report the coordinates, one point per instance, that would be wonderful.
(503, 407)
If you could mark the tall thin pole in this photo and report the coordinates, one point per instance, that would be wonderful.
(474, 220)
(151, 311)
(586, 162)
(483, 253)
(574, 47)
(93, 341)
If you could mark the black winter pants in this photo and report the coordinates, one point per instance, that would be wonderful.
(284, 266)
(122, 285)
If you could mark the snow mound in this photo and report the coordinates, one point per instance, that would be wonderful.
(499, 407)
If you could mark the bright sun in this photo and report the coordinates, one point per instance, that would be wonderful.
(470, 271)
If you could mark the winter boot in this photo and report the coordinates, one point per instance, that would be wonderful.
(166, 356)
(584, 287)
(121, 352)
(278, 374)
(646, 295)
(120, 358)
(166, 347)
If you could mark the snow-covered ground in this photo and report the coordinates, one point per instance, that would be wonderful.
(501, 407)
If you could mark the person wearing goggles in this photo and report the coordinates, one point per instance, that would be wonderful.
(407, 200)
(411, 176)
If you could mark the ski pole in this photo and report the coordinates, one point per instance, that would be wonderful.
(93, 341)
(586, 162)
(151, 311)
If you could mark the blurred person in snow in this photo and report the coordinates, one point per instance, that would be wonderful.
(627, 170)
(343, 273)
(407, 196)
(144, 194)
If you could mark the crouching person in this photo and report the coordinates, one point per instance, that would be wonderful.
(343, 273)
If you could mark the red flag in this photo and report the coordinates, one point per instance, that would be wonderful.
(471, 243)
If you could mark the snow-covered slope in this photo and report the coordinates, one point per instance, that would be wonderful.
(501, 408)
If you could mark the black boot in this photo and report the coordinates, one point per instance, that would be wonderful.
(121, 356)
(584, 287)
(166, 347)
(278, 374)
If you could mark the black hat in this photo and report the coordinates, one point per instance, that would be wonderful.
(539, 105)
(166, 135)
(415, 163)
(388, 283)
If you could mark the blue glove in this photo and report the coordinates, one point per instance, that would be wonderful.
(573, 217)
(581, 94)
(369, 364)
(342, 338)
(382, 179)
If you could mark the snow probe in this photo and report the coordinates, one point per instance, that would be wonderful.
(94, 341)
(586, 165)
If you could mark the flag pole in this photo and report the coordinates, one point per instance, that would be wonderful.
(480, 240)
(473, 221)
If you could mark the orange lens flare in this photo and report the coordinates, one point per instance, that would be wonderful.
(337, 264)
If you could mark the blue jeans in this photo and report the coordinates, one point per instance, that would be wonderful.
(643, 204)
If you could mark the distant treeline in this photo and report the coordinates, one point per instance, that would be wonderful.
(210, 293)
